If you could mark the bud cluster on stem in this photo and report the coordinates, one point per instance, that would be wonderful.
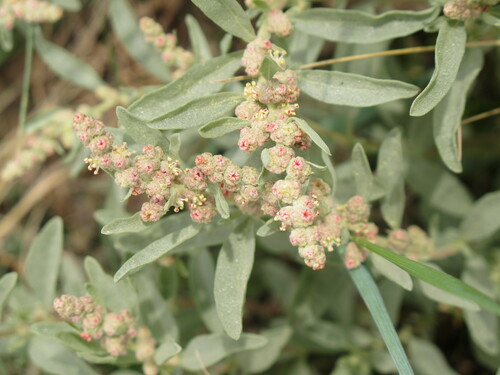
(33, 11)
(175, 57)
(116, 332)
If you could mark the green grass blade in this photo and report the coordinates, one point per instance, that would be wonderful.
(438, 279)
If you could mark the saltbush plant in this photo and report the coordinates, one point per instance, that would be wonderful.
(270, 187)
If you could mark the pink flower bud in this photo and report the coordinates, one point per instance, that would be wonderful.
(279, 158)
(151, 212)
(287, 190)
(279, 23)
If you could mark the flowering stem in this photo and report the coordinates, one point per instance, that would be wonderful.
(400, 51)
(28, 62)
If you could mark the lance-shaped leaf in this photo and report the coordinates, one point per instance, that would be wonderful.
(484, 218)
(430, 275)
(230, 16)
(7, 284)
(66, 65)
(352, 89)
(105, 291)
(165, 351)
(155, 250)
(428, 359)
(450, 48)
(207, 350)
(331, 171)
(447, 116)
(126, 28)
(390, 170)
(198, 111)
(198, 40)
(257, 361)
(362, 172)
(222, 126)
(202, 79)
(44, 258)
(234, 266)
(304, 126)
(139, 131)
(56, 358)
(352, 26)
(371, 295)
(221, 203)
(130, 224)
(201, 284)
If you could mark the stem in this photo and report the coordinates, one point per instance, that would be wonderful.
(400, 51)
(481, 116)
(28, 62)
(394, 52)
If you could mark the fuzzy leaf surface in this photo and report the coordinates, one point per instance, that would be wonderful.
(7, 284)
(450, 48)
(155, 250)
(198, 112)
(232, 272)
(352, 89)
(304, 126)
(222, 126)
(126, 28)
(352, 26)
(447, 116)
(130, 224)
(484, 218)
(139, 131)
(43, 261)
(197, 82)
(67, 65)
(201, 47)
(230, 16)
(206, 350)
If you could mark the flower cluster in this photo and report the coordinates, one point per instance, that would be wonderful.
(34, 11)
(466, 9)
(55, 136)
(254, 55)
(413, 242)
(116, 332)
(175, 57)
(278, 23)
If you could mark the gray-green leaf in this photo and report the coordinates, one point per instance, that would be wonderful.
(7, 284)
(373, 300)
(126, 28)
(484, 218)
(304, 126)
(66, 65)
(234, 266)
(70, 5)
(198, 81)
(198, 111)
(352, 26)
(201, 284)
(199, 42)
(206, 350)
(361, 170)
(392, 272)
(166, 351)
(130, 224)
(139, 131)
(450, 48)
(447, 116)
(352, 89)
(258, 360)
(105, 291)
(155, 250)
(230, 16)
(43, 260)
(222, 126)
